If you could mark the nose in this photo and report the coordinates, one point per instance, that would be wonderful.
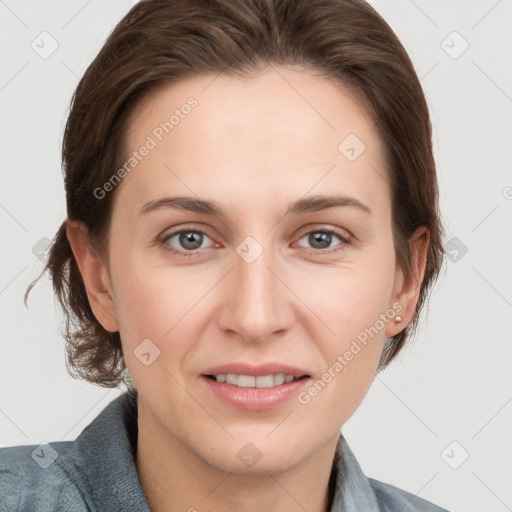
(258, 304)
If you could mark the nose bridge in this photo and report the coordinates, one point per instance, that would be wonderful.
(258, 304)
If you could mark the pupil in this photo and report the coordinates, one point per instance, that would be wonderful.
(320, 240)
(187, 240)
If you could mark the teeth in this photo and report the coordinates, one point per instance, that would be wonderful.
(250, 381)
(279, 379)
(231, 378)
(246, 381)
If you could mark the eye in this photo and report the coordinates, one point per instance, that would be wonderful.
(188, 241)
(321, 239)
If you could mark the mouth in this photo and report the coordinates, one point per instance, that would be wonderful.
(254, 388)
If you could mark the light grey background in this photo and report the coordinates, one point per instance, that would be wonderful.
(453, 384)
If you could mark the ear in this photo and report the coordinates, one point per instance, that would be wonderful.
(94, 274)
(406, 290)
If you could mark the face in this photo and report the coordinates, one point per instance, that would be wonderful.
(274, 281)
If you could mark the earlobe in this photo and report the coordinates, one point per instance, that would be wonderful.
(94, 275)
(407, 289)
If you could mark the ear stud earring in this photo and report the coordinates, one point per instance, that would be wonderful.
(398, 319)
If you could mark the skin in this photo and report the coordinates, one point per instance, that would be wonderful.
(253, 145)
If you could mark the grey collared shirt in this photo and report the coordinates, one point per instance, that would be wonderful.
(97, 472)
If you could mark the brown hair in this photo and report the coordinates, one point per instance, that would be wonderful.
(162, 41)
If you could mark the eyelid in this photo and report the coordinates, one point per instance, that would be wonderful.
(344, 234)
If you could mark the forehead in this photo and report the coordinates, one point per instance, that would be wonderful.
(283, 130)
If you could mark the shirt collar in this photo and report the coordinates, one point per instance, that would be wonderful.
(107, 449)
(353, 491)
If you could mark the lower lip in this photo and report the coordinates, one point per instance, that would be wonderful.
(255, 399)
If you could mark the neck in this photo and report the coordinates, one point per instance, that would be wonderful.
(175, 479)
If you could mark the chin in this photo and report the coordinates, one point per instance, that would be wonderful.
(241, 456)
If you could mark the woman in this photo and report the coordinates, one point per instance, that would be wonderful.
(252, 231)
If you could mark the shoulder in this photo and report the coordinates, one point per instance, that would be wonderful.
(391, 498)
(41, 477)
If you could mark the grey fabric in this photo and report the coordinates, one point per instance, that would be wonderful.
(97, 472)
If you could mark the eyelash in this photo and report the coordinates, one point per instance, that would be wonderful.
(344, 241)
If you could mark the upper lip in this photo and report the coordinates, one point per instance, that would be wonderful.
(260, 369)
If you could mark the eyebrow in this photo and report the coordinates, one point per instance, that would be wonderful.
(300, 207)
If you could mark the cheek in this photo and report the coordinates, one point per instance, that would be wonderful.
(351, 353)
(349, 299)
(351, 304)
(151, 304)
(161, 303)
(139, 303)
